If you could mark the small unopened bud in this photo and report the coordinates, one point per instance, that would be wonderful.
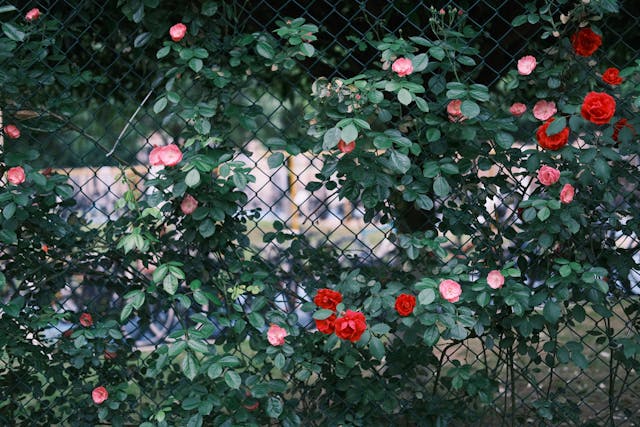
(564, 18)
(556, 34)
(441, 12)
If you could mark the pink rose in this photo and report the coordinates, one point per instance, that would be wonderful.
(168, 155)
(12, 131)
(526, 65)
(450, 290)
(548, 175)
(518, 109)
(16, 175)
(276, 335)
(567, 193)
(32, 15)
(544, 110)
(177, 32)
(495, 279)
(189, 204)
(402, 66)
(99, 395)
(454, 111)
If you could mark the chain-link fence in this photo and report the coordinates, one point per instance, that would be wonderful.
(118, 112)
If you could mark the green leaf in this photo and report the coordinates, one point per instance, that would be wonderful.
(275, 160)
(232, 379)
(214, 371)
(163, 52)
(265, 50)
(404, 96)
(552, 312)
(420, 62)
(274, 407)
(331, 138)
(199, 346)
(422, 104)
(431, 335)
(207, 228)
(160, 105)
(556, 126)
(380, 328)
(189, 366)
(544, 213)
(349, 133)
(256, 320)
(504, 139)
(322, 314)
(437, 52)
(426, 296)
(141, 39)
(9, 210)
(3, 281)
(376, 348)
(466, 60)
(209, 8)
(195, 64)
(12, 32)
(441, 187)
(307, 49)
(4, 9)
(483, 299)
(192, 179)
(398, 161)
(470, 109)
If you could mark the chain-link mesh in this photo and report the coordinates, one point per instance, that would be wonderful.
(99, 39)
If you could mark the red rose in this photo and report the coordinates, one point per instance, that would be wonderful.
(86, 320)
(620, 124)
(346, 147)
(326, 326)
(598, 107)
(351, 326)
(12, 131)
(99, 395)
(551, 142)
(405, 304)
(327, 298)
(612, 76)
(585, 42)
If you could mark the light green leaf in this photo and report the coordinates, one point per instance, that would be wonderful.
(404, 96)
(190, 366)
(349, 133)
(426, 296)
(232, 379)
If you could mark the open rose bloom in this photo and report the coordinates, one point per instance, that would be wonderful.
(16, 175)
(402, 67)
(598, 107)
(518, 109)
(526, 65)
(177, 32)
(351, 326)
(495, 279)
(167, 155)
(544, 110)
(99, 395)
(567, 193)
(276, 335)
(548, 175)
(450, 290)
